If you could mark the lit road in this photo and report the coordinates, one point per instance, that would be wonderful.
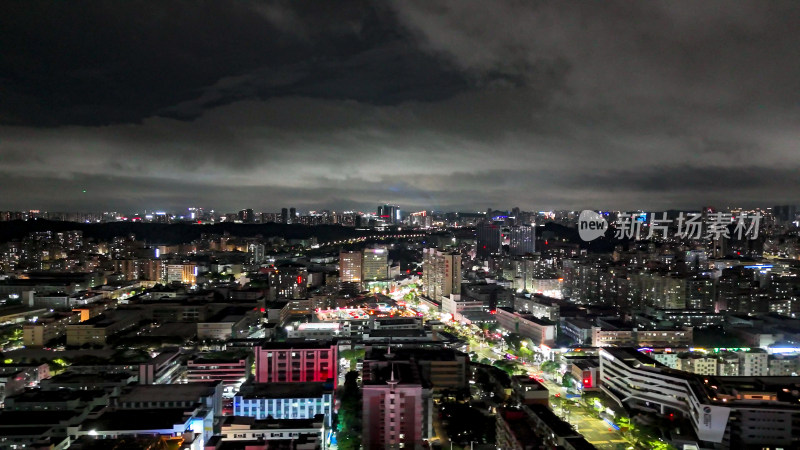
(595, 430)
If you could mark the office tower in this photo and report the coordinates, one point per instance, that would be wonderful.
(284, 215)
(441, 274)
(292, 215)
(350, 267)
(374, 264)
(489, 239)
(523, 240)
(389, 213)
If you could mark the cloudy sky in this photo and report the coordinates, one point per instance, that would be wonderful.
(445, 105)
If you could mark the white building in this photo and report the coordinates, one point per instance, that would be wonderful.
(455, 305)
(754, 364)
(723, 411)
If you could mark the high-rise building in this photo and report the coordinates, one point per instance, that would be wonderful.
(288, 281)
(284, 215)
(516, 214)
(256, 253)
(389, 213)
(292, 215)
(247, 215)
(374, 264)
(397, 407)
(350, 267)
(489, 239)
(523, 240)
(754, 363)
(441, 273)
(784, 213)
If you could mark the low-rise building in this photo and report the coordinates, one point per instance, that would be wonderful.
(47, 328)
(295, 361)
(699, 363)
(230, 323)
(455, 305)
(284, 400)
(527, 391)
(97, 330)
(231, 370)
(165, 396)
(538, 305)
(584, 371)
(540, 331)
(239, 428)
(726, 412)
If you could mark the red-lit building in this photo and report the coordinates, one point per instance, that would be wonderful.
(584, 371)
(295, 361)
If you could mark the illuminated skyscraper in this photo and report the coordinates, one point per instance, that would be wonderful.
(374, 264)
(441, 274)
(350, 267)
(523, 240)
(389, 213)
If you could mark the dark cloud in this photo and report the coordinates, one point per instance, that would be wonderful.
(431, 104)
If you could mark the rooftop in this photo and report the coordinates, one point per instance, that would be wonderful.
(284, 390)
(559, 427)
(27, 418)
(299, 344)
(138, 419)
(167, 392)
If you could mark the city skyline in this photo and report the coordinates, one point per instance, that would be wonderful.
(541, 105)
(400, 224)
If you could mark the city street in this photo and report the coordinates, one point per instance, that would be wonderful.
(595, 430)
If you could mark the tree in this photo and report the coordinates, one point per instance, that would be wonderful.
(509, 366)
(513, 340)
(349, 417)
(353, 355)
(465, 423)
(566, 381)
(549, 366)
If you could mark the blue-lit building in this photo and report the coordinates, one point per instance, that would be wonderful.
(285, 400)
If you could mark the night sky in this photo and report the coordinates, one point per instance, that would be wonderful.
(445, 105)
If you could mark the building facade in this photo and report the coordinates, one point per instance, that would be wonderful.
(295, 362)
